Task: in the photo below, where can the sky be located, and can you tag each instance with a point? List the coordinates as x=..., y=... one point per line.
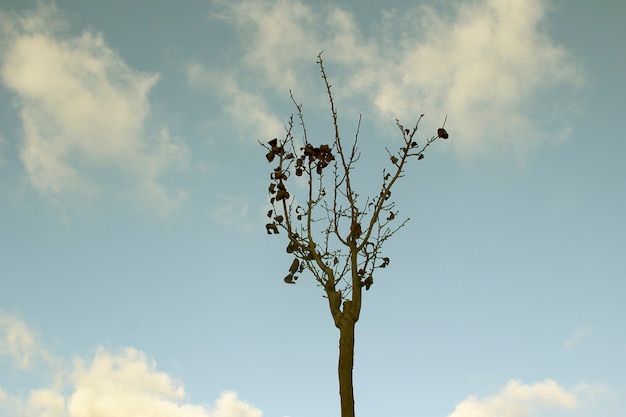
x=136, y=275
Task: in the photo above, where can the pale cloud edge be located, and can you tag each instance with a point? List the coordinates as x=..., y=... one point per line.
x=232, y=212
x=83, y=112
x=483, y=63
x=579, y=334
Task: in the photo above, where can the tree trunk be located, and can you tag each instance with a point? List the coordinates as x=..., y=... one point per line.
x=346, y=364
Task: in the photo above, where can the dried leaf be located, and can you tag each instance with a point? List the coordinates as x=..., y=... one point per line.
x=420, y=156
x=294, y=266
x=368, y=282
x=271, y=227
x=385, y=262
x=282, y=195
x=394, y=160
x=279, y=219
x=278, y=174
x=441, y=132
x=289, y=279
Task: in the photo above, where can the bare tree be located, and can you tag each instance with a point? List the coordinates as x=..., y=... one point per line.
x=332, y=232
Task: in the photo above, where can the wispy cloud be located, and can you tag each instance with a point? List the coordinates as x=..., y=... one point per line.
x=578, y=336
x=83, y=113
x=275, y=51
x=487, y=64
x=233, y=213
x=122, y=384
x=20, y=343
x=248, y=113
x=522, y=400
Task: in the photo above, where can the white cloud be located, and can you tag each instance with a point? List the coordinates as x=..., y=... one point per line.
x=123, y=385
x=483, y=66
x=578, y=336
x=485, y=63
x=521, y=400
x=83, y=113
x=126, y=384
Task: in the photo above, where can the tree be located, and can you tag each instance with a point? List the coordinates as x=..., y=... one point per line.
x=335, y=235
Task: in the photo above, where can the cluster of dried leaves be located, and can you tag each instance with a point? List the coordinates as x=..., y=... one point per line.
x=334, y=235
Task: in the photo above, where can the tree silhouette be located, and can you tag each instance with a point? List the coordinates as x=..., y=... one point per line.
x=334, y=234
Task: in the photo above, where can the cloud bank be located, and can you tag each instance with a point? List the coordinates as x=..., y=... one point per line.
x=122, y=384
x=127, y=383
x=488, y=64
x=83, y=112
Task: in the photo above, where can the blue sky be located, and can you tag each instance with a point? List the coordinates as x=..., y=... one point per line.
x=135, y=272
